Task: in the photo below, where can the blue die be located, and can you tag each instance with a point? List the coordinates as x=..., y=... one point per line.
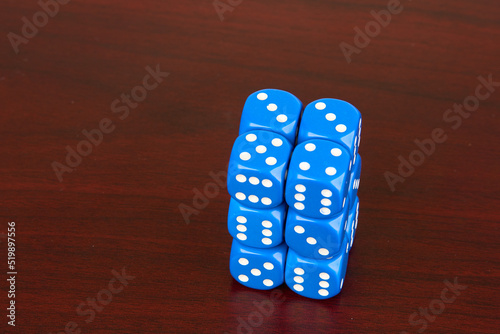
x=257, y=168
x=317, y=279
x=260, y=228
x=354, y=180
x=273, y=110
x=318, y=178
x=334, y=120
x=315, y=238
x=258, y=268
x=352, y=223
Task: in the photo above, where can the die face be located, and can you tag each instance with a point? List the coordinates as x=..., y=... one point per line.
x=352, y=223
x=318, y=178
x=273, y=110
x=334, y=120
x=354, y=179
x=317, y=279
x=258, y=268
x=257, y=167
x=259, y=228
x=317, y=239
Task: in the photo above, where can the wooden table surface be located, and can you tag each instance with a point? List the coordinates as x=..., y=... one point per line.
x=101, y=245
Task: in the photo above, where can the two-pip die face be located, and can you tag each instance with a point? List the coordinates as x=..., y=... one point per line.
x=332, y=119
x=257, y=168
x=272, y=110
x=318, y=178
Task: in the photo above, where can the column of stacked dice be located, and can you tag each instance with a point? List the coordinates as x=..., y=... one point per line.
x=256, y=181
x=321, y=191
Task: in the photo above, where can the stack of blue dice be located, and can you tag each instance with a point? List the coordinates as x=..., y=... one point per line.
x=294, y=187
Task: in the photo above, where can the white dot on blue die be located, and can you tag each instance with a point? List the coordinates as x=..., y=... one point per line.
x=261, y=149
x=341, y=128
x=269, y=266
x=330, y=117
x=282, y=118
x=277, y=142
x=299, y=229
x=268, y=282
x=251, y=137
x=300, y=197
x=272, y=107
x=253, y=180
x=320, y=105
x=300, y=188
x=326, y=193
x=304, y=165
x=310, y=147
x=299, y=206
x=262, y=96
x=245, y=156
x=271, y=161
x=267, y=183
x=336, y=152
x=330, y=171
x=299, y=271
x=266, y=201
x=267, y=224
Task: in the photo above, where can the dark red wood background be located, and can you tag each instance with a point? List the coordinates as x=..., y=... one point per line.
x=120, y=206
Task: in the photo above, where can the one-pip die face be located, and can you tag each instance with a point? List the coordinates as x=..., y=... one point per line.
x=257, y=168
x=318, y=178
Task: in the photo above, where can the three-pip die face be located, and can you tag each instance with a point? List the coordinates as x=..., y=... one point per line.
x=257, y=168
x=272, y=110
x=258, y=268
x=314, y=238
x=318, y=178
x=334, y=120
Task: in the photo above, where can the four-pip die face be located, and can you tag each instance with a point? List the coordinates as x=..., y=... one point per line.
x=334, y=120
x=257, y=167
x=273, y=110
x=318, y=178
